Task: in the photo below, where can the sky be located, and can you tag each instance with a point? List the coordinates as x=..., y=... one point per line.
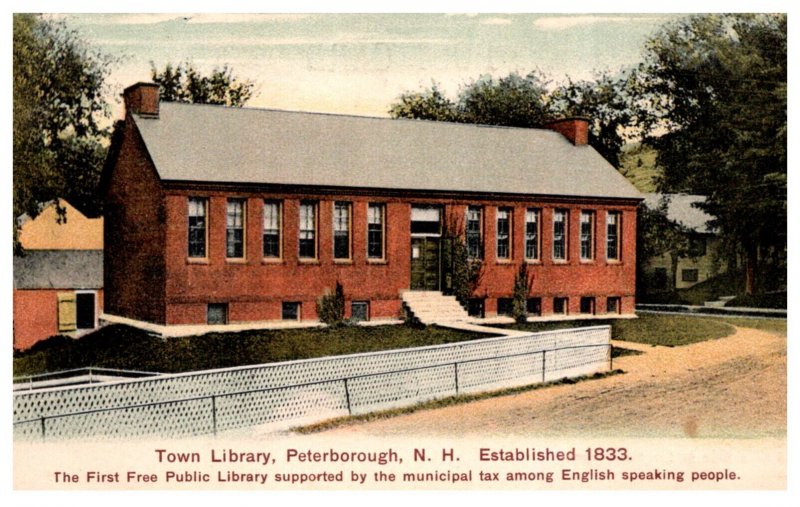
x=360, y=63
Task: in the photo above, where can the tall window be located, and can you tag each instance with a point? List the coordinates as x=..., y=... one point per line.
x=341, y=230
x=272, y=229
x=560, y=235
x=308, y=230
x=234, y=245
x=474, y=232
x=375, y=230
x=587, y=235
x=612, y=235
x=532, y=234
x=503, y=233
x=197, y=227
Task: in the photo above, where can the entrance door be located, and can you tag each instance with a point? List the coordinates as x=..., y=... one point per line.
x=84, y=302
x=425, y=263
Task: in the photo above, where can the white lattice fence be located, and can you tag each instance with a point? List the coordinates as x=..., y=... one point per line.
x=315, y=389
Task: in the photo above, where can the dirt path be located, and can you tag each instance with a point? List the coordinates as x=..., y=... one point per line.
x=731, y=387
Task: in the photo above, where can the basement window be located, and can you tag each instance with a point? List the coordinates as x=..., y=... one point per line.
x=504, y=306
x=587, y=305
x=534, y=306
x=217, y=313
x=613, y=305
x=560, y=306
x=359, y=311
x=476, y=307
x=689, y=275
x=290, y=310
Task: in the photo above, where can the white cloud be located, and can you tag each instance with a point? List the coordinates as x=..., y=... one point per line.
x=553, y=23
x=244, y=18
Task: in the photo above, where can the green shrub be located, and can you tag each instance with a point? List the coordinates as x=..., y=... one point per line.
x=330, y=307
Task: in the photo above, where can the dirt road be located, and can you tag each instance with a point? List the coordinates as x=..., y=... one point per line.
x=731, y=387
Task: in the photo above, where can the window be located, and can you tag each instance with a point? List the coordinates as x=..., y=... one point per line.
x=505, y=306
x=689, y=275
x=272, y=229
x=359, y=311
x=613, y=305
x=503, y=233
x=341, y=230
x=375, y=230
x=308, y=230
x=197, y=227
x=560, y=306
x=476, y=307
x=426, y=220
x=587, y=305
x=534, y=306
x=560, y=235
x=290, y=311
x=612, y=235
x=532, y=234
x=234, y=244
x=217, y=313
x=474, y=232
x=587, y=235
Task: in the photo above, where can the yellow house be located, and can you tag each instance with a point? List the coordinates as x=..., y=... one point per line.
x=70, y=231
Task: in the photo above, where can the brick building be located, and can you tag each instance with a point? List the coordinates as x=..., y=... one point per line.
x=224, y=215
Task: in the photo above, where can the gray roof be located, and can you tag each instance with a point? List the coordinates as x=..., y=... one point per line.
x=190, y=142
x=681, y=209
x=59, y=269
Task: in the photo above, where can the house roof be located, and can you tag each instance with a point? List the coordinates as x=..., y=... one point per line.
x=190, y=142
x=59, y=269
x=682, y=209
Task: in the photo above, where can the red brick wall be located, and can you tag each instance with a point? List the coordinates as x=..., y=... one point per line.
x=254, y=288
x=36, y=315
x=134, y=234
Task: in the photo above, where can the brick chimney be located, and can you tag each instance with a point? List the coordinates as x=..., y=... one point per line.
x=575, y=129
x=142, y=99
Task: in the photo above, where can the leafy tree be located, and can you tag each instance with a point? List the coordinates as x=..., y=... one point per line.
x=607, y=103
x=184, y=83
x=513, y=100
x=429, y=104
x=59, y=139
x=715, y=86
x=519, y=304
x=657, y=235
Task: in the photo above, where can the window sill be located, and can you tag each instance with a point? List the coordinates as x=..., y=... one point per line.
x=533, y=261
x=560, y=262
x=308, y=262
x=377, y=261
x=272, y=260
x=343, y=261
x=198, y=260
x=236, y=261
x=503, y=261
x=588, y=261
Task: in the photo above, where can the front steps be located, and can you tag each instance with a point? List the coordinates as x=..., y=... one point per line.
x=433, y=307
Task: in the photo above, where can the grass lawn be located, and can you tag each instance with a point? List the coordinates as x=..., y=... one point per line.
x=666, y=330
x=124, y=347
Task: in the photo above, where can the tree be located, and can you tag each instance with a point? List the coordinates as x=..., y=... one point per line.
x=59, y=140
x=184, y=83
x=715, y=87
x=513, y=100
x=429, y=104
x=607, y=103
x=524, y=101
x=519, y=304
x=657, y=235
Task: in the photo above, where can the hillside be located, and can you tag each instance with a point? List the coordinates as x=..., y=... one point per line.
x=638, y=164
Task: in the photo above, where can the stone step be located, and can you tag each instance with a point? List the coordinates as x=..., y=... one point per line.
x=430, y=307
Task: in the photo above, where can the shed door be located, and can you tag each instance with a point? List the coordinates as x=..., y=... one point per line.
x=425, y=265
